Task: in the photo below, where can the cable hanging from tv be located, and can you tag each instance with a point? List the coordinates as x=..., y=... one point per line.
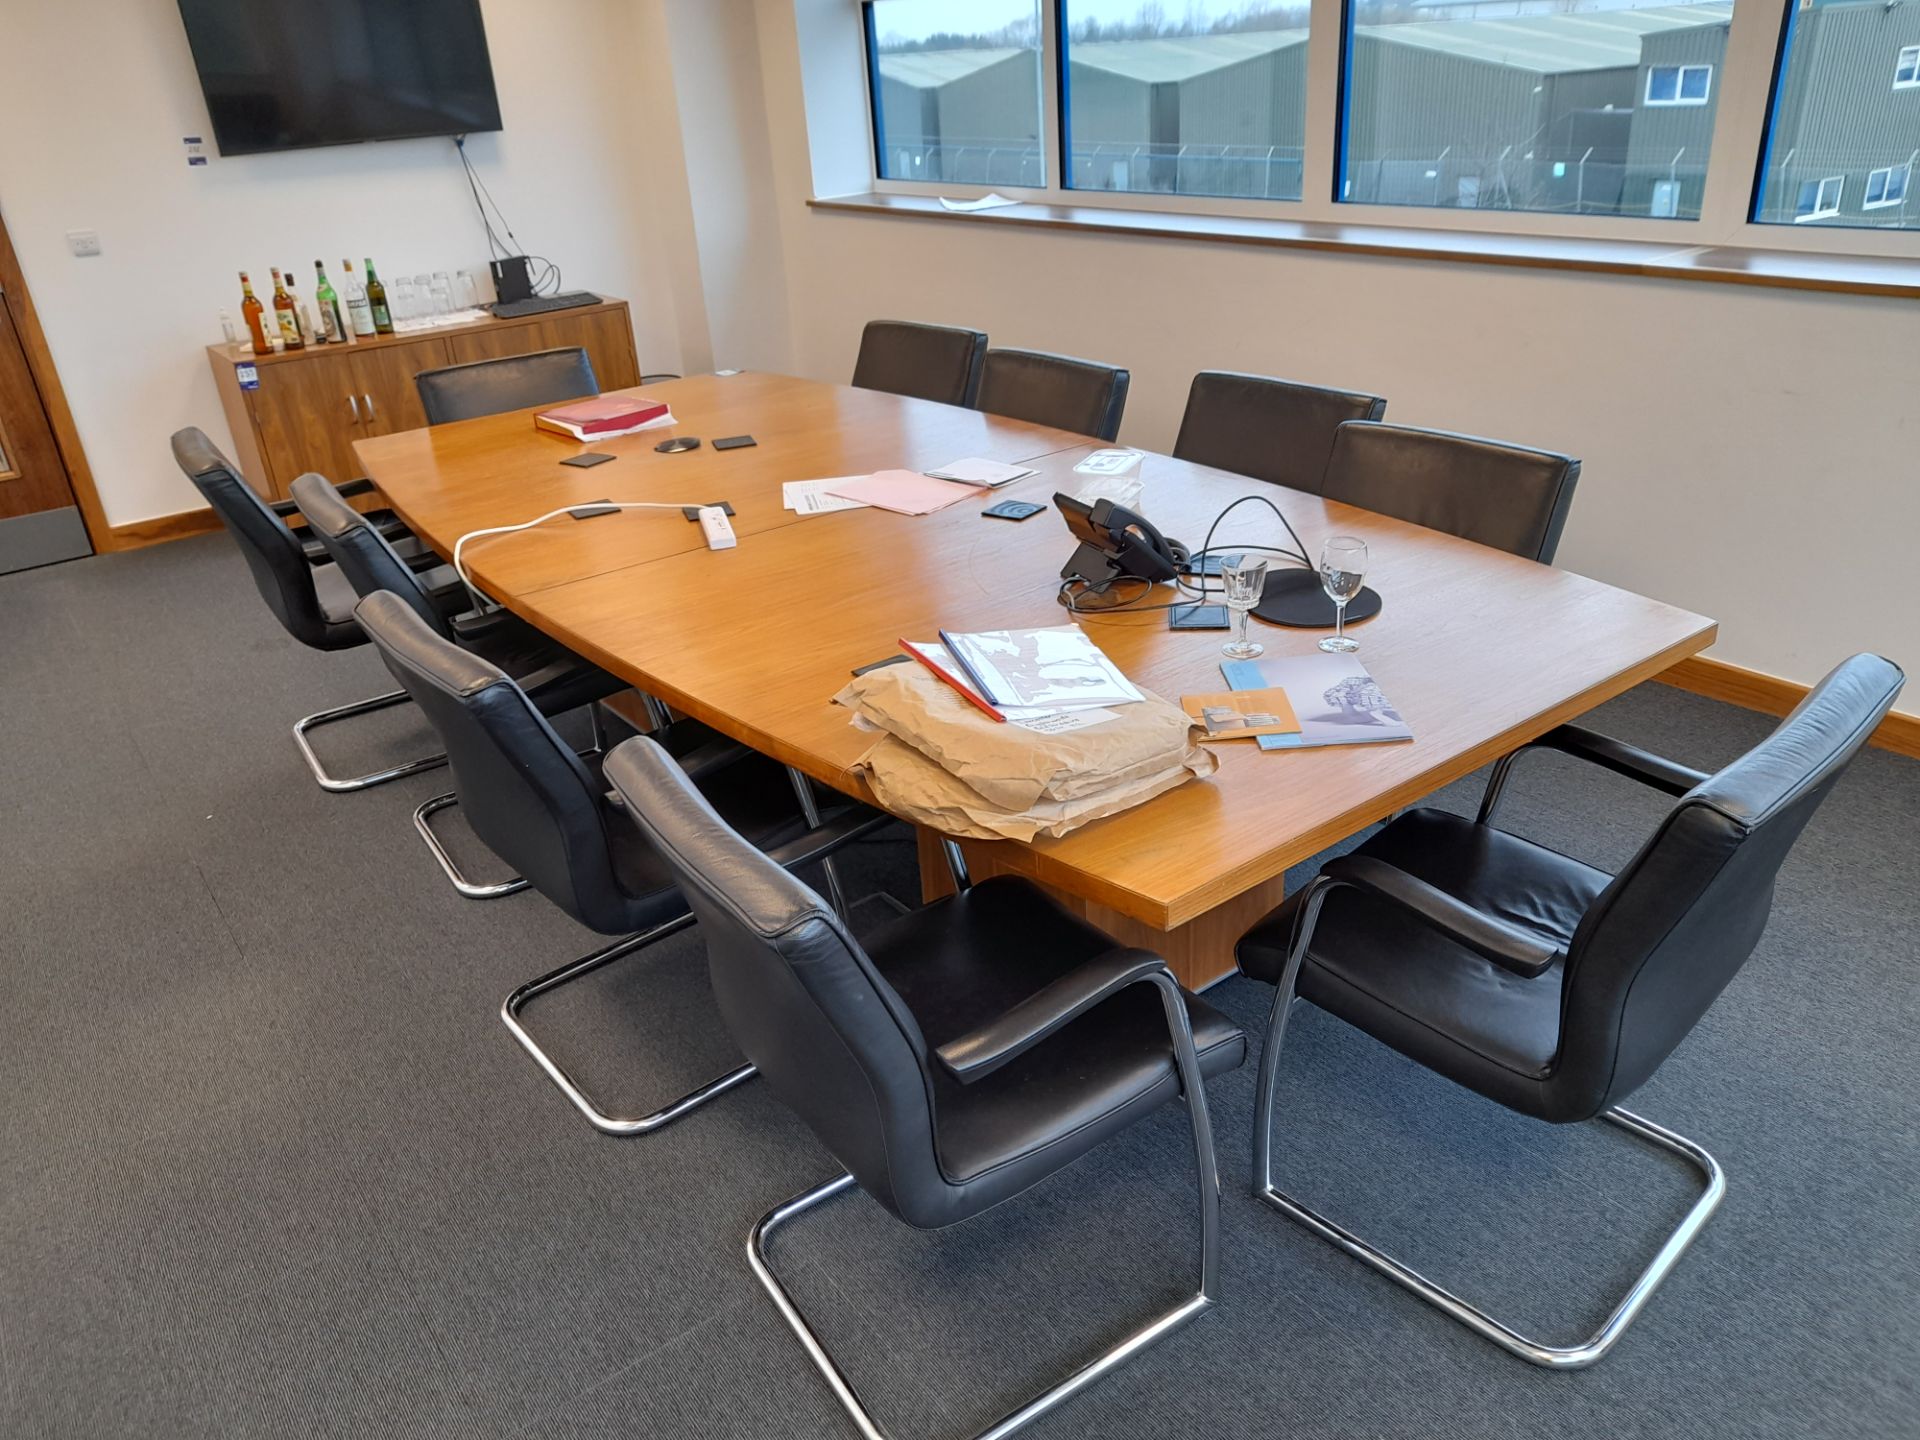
x=547, y=281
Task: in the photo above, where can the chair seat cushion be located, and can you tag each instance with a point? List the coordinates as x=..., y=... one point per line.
x=1378, y=968
x=964, y=961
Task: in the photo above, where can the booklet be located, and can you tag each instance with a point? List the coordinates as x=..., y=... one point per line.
x=1057, y=667
x=1242, y=714
x=979, y=472
x=1334, y=699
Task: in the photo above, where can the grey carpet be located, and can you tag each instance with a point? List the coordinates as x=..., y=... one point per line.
x=273, y=1167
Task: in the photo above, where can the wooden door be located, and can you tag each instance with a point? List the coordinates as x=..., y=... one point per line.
x=308, y=415
x=39, y=519
x=383, y=379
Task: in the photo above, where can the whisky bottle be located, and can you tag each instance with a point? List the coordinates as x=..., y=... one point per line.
x=303, y=314
x=286, y=315
x=251, y=311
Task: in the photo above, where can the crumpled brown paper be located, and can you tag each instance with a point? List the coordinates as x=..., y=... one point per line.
x=944, y=764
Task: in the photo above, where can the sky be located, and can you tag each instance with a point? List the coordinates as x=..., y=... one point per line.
x=917, y=19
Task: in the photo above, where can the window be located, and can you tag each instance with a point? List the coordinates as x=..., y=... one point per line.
x=1886, y=187
x=1679, y=84
x=1818, y=199
x=1535, y=105
x=956, y=91
x=1833, y=115
x=1213, y=102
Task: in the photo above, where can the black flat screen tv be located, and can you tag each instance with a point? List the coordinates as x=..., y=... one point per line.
x=292, y=74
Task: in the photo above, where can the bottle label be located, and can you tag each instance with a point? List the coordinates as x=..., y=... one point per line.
x=330, y=318
x=289, y=327
x=380, y=316
x=361, y=314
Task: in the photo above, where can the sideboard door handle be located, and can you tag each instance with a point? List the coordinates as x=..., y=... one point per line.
x=369, y=399
x=354, y=406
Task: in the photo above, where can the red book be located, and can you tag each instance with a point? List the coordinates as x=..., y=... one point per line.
x=967, y=692
x=598, y=417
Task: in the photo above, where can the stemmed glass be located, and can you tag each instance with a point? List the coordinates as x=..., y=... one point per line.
x=1343, y=569
x=1244, y=582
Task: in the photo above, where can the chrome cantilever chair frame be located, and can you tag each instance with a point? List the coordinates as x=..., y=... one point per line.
x=1553, y=1357
x=1188, y=1063
x=339, y=785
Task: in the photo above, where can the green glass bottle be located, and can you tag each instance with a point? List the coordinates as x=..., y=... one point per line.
x=332, y=321
x=377, y=302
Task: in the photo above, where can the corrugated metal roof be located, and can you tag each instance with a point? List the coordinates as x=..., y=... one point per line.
x=1181, y=57
x=1552, y=44
x=929, y=69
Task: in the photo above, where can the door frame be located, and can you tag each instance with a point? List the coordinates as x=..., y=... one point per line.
x=53, y=399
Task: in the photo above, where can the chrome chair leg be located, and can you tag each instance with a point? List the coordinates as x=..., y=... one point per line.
x=342, y=784
x=810, y=808
x=598, y=1118
x=956, y=863
x=1105, y=1362
x=472, y=889
x=1535, y=1352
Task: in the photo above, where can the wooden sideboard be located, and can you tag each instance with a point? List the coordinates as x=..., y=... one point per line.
x=312, y=404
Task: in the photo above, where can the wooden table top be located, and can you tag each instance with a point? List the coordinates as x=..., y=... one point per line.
x=1480, y=651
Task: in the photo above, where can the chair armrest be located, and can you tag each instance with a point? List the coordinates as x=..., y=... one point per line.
x=981, y=1052
x=1667, y=776
x=476, y=623
x=1488, y=936
x=286, y=510
x=711, y=758
x=350, y=488
x=840, y=828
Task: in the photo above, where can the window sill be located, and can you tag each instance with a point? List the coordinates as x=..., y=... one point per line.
x=1782, y=269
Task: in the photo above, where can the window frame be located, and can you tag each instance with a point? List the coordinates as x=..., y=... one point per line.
x=1820, y=189
x=1886, y=201
x=1680, y=98
x=1757, y=51
x=1907, y=59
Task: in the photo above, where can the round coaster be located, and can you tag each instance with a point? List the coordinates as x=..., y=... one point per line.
x=1294, y=597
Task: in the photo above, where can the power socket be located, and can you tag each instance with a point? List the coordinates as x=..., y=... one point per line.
x=83, y=242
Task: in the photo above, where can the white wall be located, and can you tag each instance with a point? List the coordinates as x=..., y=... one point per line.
x=1749, y=453
x=97, y=97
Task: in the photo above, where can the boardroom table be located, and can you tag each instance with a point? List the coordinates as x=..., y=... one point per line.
x=1479, y=651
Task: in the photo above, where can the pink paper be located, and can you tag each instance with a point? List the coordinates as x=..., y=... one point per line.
x=905, y=492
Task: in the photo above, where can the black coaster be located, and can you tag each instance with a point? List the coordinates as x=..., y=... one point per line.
x=1294, y=597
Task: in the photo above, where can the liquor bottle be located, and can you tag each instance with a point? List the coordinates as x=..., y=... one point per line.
x=377, y=301
x=303, y=314
x=359, y=313
x=332, y=321
x=251, y=310
x=286, y=315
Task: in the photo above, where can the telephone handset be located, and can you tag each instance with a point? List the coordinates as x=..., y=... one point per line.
x=1116, y=541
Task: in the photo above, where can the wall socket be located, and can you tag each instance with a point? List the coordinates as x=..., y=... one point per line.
x=83, y=242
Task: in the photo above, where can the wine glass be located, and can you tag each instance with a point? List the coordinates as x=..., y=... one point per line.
x=1245, y=582
x=1343, y=569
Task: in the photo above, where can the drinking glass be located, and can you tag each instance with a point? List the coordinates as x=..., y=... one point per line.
x=1343, y=570
x=400, y=302
x=442, y=293
x=1244, y=582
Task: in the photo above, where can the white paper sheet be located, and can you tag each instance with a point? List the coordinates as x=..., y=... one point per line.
x=979, y=472
x=1059, y=722
x=985, y=202
x=810, y=497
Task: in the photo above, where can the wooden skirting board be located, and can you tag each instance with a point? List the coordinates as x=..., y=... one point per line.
x=1771, y=695
x=162, y=527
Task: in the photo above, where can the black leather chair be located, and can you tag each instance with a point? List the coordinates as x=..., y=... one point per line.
x=927, y=362
x=966, y=1052
x=308, y=595
x=1272, y=430
x=516, y=382
x=554, y=678
x=537, y=806
x=1083, y=396
x=1545, y=984
x=1506, y=496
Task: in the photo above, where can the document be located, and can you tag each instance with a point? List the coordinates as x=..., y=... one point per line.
x=980, y=472
x=1060, y=722
x=810, y=497
x=1334, y=699
x=1055, y=668
x=1242, y=714
x=905, y=492
x=985, y=202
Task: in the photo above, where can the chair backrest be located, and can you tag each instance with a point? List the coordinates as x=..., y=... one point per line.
x=280, y=570
x=1661, y=942
x=1083, y=396
x=363, y=554
x=1273, y=430
x=516, y=382
x=1506, y=496
x=802, y=999
x=928, y=362
x=521, y=787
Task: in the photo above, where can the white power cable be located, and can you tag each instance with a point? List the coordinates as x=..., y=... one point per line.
x=590, y=508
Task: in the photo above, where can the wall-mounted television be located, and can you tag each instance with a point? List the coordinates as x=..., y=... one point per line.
x=291, y=74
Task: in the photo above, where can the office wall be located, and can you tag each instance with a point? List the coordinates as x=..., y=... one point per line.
x=1749, y=452
x=99, y=93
